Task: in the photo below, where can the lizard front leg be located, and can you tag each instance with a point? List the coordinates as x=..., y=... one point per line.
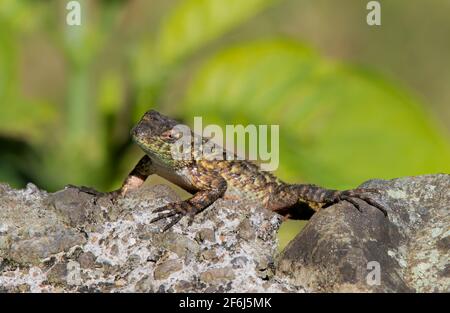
x=137, y=176
x=192, y=206
x=134, y=180
x=284, y=197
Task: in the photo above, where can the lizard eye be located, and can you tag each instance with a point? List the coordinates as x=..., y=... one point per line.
x=171, y=135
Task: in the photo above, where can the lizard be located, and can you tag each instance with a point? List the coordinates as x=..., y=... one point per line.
x=211, y=179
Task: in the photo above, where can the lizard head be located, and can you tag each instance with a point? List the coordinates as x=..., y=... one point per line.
x=157, y=135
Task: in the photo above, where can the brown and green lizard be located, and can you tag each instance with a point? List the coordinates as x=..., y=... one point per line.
x=209, y=180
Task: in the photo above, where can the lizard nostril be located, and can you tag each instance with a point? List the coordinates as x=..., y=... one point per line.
x=135, y=131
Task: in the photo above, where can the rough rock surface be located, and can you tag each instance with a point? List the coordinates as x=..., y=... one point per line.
x=76, y=241
x=342, y=249
x=73, y=241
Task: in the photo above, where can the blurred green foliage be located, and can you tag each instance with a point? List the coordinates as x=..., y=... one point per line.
x=339, y=124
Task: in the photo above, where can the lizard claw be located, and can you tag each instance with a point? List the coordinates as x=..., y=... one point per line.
x=163, y=208
x=111, y=196
x=162, y=216
x=176, y=209
x=171, y=223
x=361, y=194
x=85, y=189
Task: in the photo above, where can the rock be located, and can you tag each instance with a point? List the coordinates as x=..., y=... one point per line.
x=78, y=240
x=246, y=230
x=184, y=286
x=165, y=269
x=145, y=284
x=58, y=274
x=86, y=259
x=209, y=254
x=217, y=274
x=179, y=244
x=206, y=234
x=73, y=205
x=30, y=231
x=342, y=249
x=23, y=288
x=33, y=250
x=265, y=268
x=114, y=250
x=239, y=262
x=74, y=273
x=134, y=260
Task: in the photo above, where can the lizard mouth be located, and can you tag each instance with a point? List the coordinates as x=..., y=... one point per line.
x=138, y=135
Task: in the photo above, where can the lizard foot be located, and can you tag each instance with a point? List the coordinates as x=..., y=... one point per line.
x=361, y=194
x=85, y=189
x=176, y=211
x=111, y=196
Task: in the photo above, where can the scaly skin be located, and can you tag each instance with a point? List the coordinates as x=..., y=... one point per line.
x=209, y=180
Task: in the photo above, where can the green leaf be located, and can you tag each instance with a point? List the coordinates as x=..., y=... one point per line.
x=188, y=26
x=339, y=125
x=192, y=23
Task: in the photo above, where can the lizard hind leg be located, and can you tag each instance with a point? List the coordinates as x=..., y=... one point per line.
x=283, y=199
x=299, y=201
x=318, y=197
x=361, y=194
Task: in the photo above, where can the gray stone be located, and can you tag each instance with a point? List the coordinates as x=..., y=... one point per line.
x=86, y=259
x=58, y=274
x=209, y=254
x=165, y=269
x=73, y=205
x=239, y=262
x=35, y=249
x=217, y=274
x=206, y=234
x=145, y=284
x=341, y=249
x=246, y=230
x=78, y=240
x=179, y=244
